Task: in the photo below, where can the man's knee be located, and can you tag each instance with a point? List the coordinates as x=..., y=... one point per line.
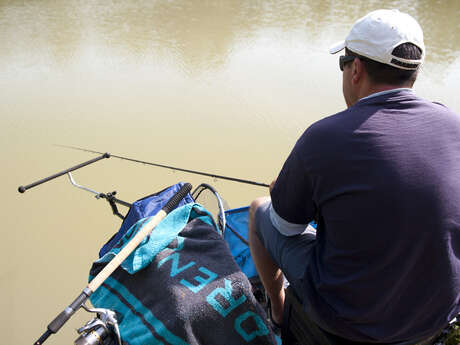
x=253, y=236
x=253, y=209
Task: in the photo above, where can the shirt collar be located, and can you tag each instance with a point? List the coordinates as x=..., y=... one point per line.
x=386, y=92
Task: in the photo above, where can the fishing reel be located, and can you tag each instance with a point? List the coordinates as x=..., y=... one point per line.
x=101, y=330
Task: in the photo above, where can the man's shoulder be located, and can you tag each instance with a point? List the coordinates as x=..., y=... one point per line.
x=321, y=136
x=327, y=126
x=436, y=110
x=437, y=106
x=414, y=101
x=330, y=121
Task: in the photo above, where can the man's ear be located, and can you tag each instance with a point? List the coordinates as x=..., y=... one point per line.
x=357, y=71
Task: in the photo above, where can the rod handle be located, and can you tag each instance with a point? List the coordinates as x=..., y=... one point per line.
x=176, y=198
x=43, y=338
x=64, y=316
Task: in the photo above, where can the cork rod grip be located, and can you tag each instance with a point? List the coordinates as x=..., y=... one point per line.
x=127, y=249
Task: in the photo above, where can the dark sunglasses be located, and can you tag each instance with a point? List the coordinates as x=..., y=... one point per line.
x=344, y=59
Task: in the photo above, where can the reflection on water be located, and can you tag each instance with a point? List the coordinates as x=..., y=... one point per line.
x=219, y=86
x=200, y=34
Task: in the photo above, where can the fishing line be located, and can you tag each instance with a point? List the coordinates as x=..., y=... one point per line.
x=234, y=179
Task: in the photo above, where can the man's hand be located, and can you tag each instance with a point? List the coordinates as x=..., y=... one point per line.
x=272, y=185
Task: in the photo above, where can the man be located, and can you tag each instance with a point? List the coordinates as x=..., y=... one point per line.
x=382, y=179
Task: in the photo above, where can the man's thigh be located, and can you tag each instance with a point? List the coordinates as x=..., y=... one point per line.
x=291, y=253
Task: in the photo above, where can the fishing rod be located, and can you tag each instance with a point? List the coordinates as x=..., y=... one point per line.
x=234, y=179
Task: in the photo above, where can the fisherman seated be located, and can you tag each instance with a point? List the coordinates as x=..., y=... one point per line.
x=380, y=178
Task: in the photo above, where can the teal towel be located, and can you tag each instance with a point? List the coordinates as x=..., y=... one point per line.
x=182, y=286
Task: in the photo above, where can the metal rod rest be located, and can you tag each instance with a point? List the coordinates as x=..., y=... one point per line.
x=82, y=187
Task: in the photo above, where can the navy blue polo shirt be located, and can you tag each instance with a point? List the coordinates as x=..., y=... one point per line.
x=383, y=179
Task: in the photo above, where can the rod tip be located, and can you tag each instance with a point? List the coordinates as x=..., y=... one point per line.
x=21, y=189
x=106, y=155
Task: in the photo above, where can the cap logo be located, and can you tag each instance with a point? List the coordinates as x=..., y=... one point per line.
x=405, y=63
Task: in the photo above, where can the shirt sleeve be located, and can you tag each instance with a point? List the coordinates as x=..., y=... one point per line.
x=283, y=226
x=292, y=195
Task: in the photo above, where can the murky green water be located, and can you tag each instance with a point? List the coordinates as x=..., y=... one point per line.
x=218, y=86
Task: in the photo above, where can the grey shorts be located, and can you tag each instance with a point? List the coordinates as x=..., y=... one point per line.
x=292, y=254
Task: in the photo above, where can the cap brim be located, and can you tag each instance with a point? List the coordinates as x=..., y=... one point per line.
x=337, y=47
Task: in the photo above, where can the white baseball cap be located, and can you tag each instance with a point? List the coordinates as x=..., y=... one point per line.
x=376, y=35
